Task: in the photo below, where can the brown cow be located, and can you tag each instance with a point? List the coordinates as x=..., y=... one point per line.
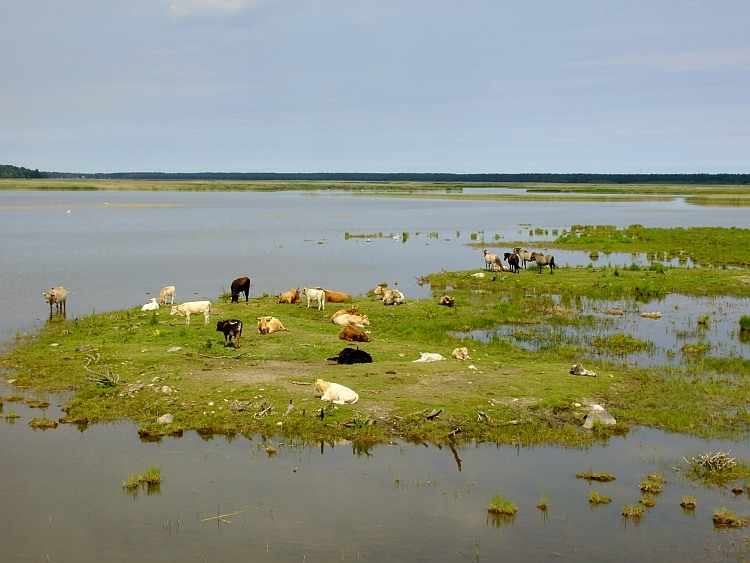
x=231, y=328
x=240, y=285
x=353, y=334
x=335, y=296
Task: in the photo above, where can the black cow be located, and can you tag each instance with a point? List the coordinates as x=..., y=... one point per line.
x=352, y=356
x=231, y=328
x=240, y=285
x=513, y=261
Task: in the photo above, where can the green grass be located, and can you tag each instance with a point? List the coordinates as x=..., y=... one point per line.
x=500, y=505
x=595, y=498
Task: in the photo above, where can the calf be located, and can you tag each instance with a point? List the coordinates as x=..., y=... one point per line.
x=240, y=285
x=231, y=328
x=56, y=296
x=267, y=325
x=152, y=305
x=192, y=308
x=353, y=334
x=315, y=296
x=447, y=301
x=352, y=356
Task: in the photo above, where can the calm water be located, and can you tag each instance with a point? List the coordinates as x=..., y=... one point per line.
x=61, y=489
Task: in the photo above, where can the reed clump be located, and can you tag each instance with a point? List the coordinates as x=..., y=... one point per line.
x=501, y=506
x=596, y=498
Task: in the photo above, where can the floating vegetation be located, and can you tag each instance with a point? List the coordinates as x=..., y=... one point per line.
x=543, y=502
x=653, y=484
x=648, y=501
x=596, y=498
x=622, y=343
x=150, y=478
x=688, y=502
x=36, y=403
x=596, y=476
x=725, y=518
x=503, y=506
x=42, y=423
x=634, y=511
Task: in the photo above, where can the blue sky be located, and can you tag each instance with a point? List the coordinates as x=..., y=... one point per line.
x=465, y=86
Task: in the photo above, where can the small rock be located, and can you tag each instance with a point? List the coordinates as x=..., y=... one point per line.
x=599, y=413
x=165, y=419
x=174, y=349
x=166, y=389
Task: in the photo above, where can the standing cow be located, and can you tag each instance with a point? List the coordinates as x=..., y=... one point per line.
x=231, y=328
x=240, y=285
x=56, y=296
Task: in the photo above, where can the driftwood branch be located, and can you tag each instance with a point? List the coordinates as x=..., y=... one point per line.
x=106, y=379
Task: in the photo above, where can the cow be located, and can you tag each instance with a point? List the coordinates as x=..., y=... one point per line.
x=315, y=296
x=240, y=285
x=268, y=325
x=335, y=296
x=152, y=305
x=232, y=328
x=192, y=308
x=335, y=393
x=446, y=300
x=353, y=334
x=380, y=290
x=461, y=353
x=56, y=296
x=165, y=292
x=578, y=369
x=291, y=296
x=392, y=296
x=351, y=356
x=349, y=319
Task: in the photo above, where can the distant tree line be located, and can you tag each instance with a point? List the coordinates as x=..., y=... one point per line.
x=550, y=178
x=8, y=171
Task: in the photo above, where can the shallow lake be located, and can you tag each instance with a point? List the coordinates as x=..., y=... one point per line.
x=227, y=499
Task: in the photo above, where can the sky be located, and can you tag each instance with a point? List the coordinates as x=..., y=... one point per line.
x=462, y=86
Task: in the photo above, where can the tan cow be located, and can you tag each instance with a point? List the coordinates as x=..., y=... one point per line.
x=167, y=291
x=267, y=325
x=192, y=308
x=291, y=296
x=56, y=296
x=392, y=296
x=349, y=319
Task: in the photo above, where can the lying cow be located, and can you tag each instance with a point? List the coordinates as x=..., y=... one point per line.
x=392, y=296
x=335, y=393
x=56, y=296
x=446, y=300
x=352, y=356
x=335, y=296
x=152, y=305
x=315, y=296
x=231, y=328
x=578, y=369
x=267, y=325
x=349, y=319
x=290, y=297
x=380, y=290
x=165, y=292
x=461, y=353
x=192, y=308
x=353, y=334
x=240, y=285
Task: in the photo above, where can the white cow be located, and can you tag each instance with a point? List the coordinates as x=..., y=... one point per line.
x=335, y=392
x=152, y=305
x=192, y=308
x=315, y=295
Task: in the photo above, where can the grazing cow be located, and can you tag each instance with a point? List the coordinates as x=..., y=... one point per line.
x=56, y=296
x=352, y=356
x=446, y=300
x=268, y=325
x=349, y=319
x=290, y=297
x=165, y=292
x=192, y=308
x=152, y=305
x=335, y=296
x=542, y=260
x=392, y=296
x=335, y=393
x=231, y=328
x=353, y=334
x=240, y=285
x=315, y=296
x=578, y=369
x=513, y=262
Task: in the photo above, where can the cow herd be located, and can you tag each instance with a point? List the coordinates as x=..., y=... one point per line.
x=516, y=260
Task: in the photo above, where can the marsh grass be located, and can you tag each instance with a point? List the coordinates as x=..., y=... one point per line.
x=42, y=423
x=501, y=506
x=596, y=498
x=150, y=479
x=688, y=502
x=596, y=476
x=634, y=511
x=543, y=501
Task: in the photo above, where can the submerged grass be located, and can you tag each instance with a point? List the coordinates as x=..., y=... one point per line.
x=155, y=365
